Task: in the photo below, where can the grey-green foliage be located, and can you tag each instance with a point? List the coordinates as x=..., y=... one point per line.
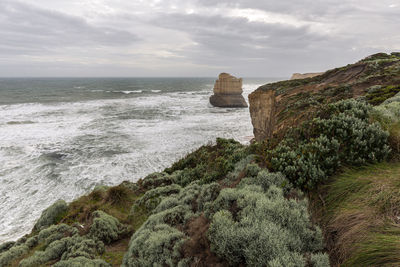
x=252, y=169
x=319, y=260
x=153, y=197
x=82, y=262
x=67, y=246
x=51, y=215
x=340, y=134
x=16, y=250
x=55, y=232
x=254, y=224
x=157, y=242
x=155, y=180
x=12, y=250
x=6, y=246
x=106, y=228
x=78, y=246
x=155, y=246
x=239, y=167
x=389, y=111
x=53, y=251
x=265, y=179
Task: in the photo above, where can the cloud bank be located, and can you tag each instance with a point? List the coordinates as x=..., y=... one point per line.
x=191, y=38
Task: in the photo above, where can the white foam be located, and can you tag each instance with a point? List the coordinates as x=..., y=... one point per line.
x=128, y=92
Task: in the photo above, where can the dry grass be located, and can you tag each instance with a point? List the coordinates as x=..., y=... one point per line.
x=358, y=211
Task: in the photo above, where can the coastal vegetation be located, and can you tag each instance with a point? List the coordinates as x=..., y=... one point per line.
x=323, y=193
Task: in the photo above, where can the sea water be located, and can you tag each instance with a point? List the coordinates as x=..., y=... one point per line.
x=60, y=137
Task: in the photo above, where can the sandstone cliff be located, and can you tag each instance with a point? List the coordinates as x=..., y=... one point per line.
x=228, y=92
x=276, y=107
x=304, y=75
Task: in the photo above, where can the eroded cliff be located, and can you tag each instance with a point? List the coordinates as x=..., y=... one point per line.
x=276, y=107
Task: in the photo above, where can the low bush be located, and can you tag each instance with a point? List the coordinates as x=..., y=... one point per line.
x=82, y=261
x=258, y=227
x=388, y=115
x=53, y=251
x=158, y=241
x=377, y=95
x=55, y=232
x=153, y=197
x=208, y=163
x=106, y=228
x=51, y=215
x=266, y=179
x=340, y=134
x=155, y=247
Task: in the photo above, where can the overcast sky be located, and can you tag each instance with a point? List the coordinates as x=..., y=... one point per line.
x=259, y=38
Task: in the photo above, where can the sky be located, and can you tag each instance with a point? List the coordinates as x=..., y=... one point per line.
x=191, y=38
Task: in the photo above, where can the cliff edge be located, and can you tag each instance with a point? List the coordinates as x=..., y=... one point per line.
x=278, y=106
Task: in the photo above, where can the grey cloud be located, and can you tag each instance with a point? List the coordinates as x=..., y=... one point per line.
x=229, y=41
x=26, y=29
x=330, y=33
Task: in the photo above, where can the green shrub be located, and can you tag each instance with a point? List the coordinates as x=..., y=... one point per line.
x=208, y=163
x=158, y=240
x=158, y=246
x=6, y=246
x=377, y=95
x=82, y=261
x=153, y=197
x=55, y=232
x=260, y=227
x=51, y=215
x=12, y=253
x=53, y=252
x=252, y=170
x=106, y=228
x=239, y=167
x=340, y=134
x=79, y=246
x=266, y=179
x=155, y=180
x=319, y=260
x=388, y=116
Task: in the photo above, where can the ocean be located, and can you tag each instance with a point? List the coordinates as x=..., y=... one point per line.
x=60, y=137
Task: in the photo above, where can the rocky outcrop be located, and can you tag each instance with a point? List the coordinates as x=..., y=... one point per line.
x=276, y=107
x=228, y=92
x=304, y=75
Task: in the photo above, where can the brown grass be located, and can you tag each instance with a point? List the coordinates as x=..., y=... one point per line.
x=354, y=209
x=198, y=246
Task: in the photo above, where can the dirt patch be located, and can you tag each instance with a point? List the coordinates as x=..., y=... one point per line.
x=198, y=246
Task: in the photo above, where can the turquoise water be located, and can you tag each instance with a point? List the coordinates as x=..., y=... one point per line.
x=61, y=137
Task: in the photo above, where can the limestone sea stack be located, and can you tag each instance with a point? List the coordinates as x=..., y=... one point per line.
x=228, y=92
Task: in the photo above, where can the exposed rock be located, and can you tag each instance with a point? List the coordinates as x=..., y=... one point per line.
x=228, y=92
x=304, y=75
x=276, y=107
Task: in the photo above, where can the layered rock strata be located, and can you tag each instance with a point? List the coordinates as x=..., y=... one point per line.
x=228, y=92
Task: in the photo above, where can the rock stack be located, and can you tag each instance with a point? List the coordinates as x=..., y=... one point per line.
x=228, y=92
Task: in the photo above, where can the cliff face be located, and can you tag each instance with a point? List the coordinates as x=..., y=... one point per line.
x=228, y=92
x=276, y=107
